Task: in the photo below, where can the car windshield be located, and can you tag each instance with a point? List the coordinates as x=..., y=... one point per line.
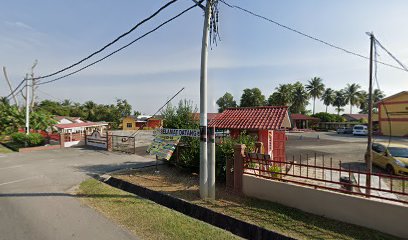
x=359, y=128
x=398, y=152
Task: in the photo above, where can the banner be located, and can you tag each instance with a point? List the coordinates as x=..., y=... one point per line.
x=179, y=132
x=163, y=146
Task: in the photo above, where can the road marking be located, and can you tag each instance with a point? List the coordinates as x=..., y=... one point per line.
x=17, y=181
x=17, y=166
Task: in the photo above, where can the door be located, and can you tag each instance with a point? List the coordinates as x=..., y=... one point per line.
x=379, y=157
x=279, y=139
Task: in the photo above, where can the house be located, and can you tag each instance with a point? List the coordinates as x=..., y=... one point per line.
x=355, y=117
x=267, y=123
x=210, y=116
x=65, y=119
x=301, y=121
x=81, y=127
x=393, y=115
x=133, y=122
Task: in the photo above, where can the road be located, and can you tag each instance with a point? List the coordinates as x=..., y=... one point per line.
x=36, y=200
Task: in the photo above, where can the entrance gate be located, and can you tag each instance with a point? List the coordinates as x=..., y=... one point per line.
x=123, y=144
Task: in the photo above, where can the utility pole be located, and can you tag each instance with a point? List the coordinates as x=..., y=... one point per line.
x=33, y=84
x=369, y=155
x=203, y=104
x=27, y=98
x=211, y=163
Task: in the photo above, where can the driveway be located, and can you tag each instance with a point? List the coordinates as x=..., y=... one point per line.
x=36, y=200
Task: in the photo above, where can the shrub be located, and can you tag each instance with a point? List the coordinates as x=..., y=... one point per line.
x=35, y=139
x=19, y=138
x=30, y=140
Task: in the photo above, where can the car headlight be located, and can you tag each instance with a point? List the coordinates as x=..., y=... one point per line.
x=399, y=163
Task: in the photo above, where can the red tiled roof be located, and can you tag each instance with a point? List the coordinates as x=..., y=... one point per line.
x=268, y=117
x=210, y=116
x=297, y=116
x=83, y=124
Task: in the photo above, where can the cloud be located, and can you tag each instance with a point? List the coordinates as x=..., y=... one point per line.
x=18, y=24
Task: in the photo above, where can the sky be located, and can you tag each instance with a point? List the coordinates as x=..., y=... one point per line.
x=251, y=52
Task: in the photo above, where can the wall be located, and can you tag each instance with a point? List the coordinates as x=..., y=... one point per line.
x=127, y=120
x=385, y=217
x=39, y=148
x=397, y=108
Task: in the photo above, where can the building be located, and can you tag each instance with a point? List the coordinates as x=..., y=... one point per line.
x=393, y=115
x=210, y=116
x=81, y=128
x=267, y=123
x=302, y=122
x=133, y=122
x=355, y=117
x=65, y=119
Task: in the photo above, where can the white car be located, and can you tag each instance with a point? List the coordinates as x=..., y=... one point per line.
x=360, y=130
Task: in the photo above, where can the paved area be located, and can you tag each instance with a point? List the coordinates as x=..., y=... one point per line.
x=35, y=198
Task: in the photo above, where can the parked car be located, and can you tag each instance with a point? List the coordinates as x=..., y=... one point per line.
x=344, y=130
x=392, y=158
x=360, y=130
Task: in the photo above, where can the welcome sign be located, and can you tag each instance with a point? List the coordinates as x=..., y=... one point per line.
x=163, y=146
x=179, y=132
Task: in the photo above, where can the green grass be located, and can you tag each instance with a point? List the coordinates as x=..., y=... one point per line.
x=144, y=218
x=3, y=149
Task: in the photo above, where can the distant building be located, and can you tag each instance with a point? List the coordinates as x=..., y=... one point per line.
x=302, y=122
x=210, y=116
x=393, y=115
x=65, y=119
x=133, y=122
x=355, y=117
x=76, y=125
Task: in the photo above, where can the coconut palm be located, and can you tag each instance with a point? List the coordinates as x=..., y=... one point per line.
x=328, y=97
x=339, y=101
x=352, y=95
x=300, y=98
x=378, y=95
x=315, y=87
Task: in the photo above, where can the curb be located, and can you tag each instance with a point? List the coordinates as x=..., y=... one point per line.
x=233, y=225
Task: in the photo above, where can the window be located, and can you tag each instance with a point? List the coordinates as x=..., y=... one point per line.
x=378, y=148
x=129, y=125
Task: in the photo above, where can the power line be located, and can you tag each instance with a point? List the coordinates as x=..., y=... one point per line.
x=125, y=46
x=391, y=55
x=308, y=36
x=15, y=89
x=112, y=42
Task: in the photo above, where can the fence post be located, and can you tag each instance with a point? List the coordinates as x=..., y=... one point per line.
x=109, y=141
x=239, y=154
x=62, y=140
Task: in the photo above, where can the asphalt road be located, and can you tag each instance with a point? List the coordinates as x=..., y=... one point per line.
x=35, y=198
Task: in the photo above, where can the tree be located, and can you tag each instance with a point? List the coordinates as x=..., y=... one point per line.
x=328, y=97
x=282, y=97
x=363, y=100
x=252, y=98
x=315, y=87
x=90, y=108
x=339, y=101
x=300, y=98
x=352, y=95
x=226, y=101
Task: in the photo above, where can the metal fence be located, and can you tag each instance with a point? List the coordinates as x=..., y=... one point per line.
x=123, y=144
x=324, y=174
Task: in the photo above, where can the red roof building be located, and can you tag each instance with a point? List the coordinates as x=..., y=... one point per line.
x=300, y=121
x=266, y=123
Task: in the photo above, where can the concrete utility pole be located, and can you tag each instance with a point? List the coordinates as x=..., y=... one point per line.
x=369, y=156
x=203, y=104
x=27, y=98
x=9, y=84
x=33, y=84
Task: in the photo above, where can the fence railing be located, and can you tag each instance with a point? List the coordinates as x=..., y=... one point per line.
x=325, y=174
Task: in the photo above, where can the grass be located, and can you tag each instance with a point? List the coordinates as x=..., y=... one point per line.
x=3, y=149
x=144, y=218
x=276, y=217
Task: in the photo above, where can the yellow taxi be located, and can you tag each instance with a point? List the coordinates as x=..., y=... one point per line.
x=391, y=157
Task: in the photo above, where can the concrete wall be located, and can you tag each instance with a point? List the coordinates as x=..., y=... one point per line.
x=384, y=217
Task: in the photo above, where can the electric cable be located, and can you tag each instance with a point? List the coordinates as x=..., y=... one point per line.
x=307, y=35
x=110, y=43
x=121, y=48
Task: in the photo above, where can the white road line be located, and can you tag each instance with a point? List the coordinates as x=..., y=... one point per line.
x=20, y=180
x=17, y=166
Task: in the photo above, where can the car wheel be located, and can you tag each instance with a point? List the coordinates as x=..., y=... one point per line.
x=390, y=169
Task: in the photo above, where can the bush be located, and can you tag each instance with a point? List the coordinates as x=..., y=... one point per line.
x=30, y=140
x=19, y=138
x=328, y=117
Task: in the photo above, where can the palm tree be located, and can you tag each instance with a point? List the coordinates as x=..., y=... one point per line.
x=315, y=87
x=378, y=95
x=90, y=107
x=300, y=98
x=339, y=101
x=328, y=97
x=352, y=95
